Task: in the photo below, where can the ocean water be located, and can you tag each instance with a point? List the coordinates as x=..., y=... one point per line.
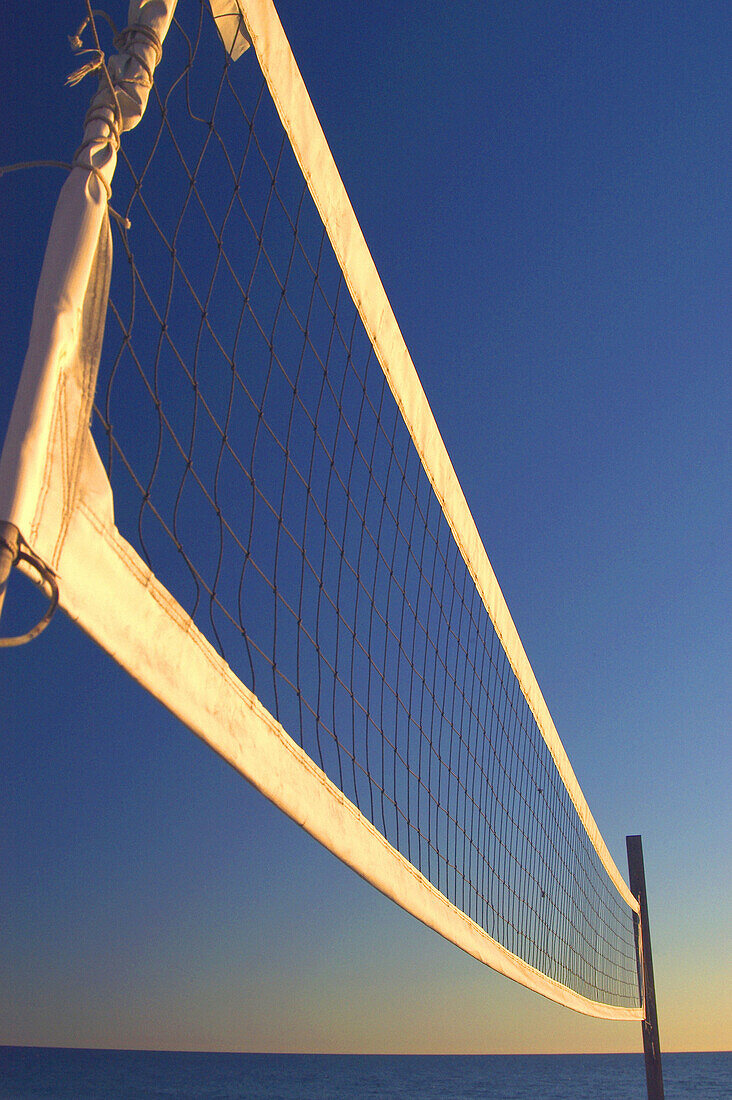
x=47, y=1073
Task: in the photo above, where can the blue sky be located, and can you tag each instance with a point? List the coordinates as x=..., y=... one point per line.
x=542, y=187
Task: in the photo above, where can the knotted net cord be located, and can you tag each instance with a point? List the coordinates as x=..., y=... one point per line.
x=261, y=467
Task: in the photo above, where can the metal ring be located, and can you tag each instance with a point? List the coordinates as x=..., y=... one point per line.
x=49, y=577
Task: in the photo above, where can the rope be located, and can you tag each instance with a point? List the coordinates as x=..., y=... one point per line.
x=124, y=42
x=5, y=168
x=124, y=223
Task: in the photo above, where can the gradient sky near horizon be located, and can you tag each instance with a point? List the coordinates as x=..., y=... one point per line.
x=542, y=187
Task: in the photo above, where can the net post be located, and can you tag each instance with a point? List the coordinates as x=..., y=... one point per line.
x=9, y=542
x=651, y=1043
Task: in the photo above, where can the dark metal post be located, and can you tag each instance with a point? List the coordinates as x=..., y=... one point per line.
x=651, y=1044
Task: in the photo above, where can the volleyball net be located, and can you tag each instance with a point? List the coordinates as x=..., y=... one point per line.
x=239, y=490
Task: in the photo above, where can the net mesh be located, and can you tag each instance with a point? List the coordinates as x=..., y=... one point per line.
x=261, y=466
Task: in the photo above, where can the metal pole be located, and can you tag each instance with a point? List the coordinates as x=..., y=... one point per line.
x=9, y=536
x=651, y=1044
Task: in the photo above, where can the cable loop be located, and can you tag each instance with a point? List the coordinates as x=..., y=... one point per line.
x=75, y=39
x=23, y=552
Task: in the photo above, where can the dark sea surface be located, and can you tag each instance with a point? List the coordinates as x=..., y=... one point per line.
x=47, y=1073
